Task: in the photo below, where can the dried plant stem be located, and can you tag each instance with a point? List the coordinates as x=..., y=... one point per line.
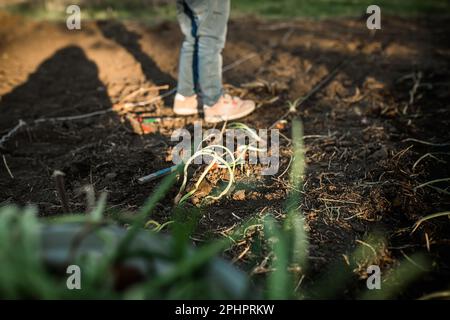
x=427, y=143
x=61, y=190
x=431, y=182
x=436, y=295
x=12, y=132
x=425, y=156
x=429, y=217
x=69, y=118
x=7, y=167
x=22, y=123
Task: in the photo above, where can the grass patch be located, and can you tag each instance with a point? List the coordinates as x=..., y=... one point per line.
x=315, y=9
x=332, y=8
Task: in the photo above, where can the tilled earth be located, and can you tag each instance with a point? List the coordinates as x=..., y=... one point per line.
x=373, y=134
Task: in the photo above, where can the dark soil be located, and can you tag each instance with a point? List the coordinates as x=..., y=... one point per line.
x=360, y=174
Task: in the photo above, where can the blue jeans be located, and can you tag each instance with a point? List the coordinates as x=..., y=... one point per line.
x=204, y=25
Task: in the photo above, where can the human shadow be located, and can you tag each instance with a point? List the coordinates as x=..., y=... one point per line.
x=65, y=83
x=93, y=150
x=129, y=40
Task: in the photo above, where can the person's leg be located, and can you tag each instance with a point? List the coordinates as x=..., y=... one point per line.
x=186, y=82
x=212, y=17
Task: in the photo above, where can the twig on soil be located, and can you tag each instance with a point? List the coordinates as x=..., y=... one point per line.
x=7, y=168
x=355, y=98
x=417, y=77
x=401, y=153
x=338, y=201
x=152, y=100
x=22, y=123
x=12, y=132
x=299, y=283
x=367, y=245
x=70, y=118
x=429, y=217
x=427, y=155
x=431, y=182
x=261, y=268
x=316, y=136
x=242, y=254
x=427, y=241
x=59, y=181
x=287, y=168
x=236, y=216
x=427, y=143
x=265, y=102
x=90, y=197
x=142, y=90
x=439, y=190
x=239, y=61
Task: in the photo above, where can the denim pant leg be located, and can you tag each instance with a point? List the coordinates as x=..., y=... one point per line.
x=187, y=63
x=207, y=28
x=212, y=31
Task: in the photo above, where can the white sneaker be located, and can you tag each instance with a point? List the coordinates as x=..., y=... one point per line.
x=228, y=108
x=185, y=106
